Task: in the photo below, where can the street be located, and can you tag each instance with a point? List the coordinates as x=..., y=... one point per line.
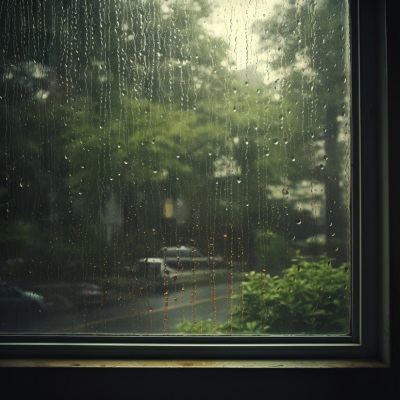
x=143, y=312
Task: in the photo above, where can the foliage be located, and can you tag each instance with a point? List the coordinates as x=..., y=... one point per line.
x=119, y=106
x=272, y=252
x=312, y=297
x=313, y=62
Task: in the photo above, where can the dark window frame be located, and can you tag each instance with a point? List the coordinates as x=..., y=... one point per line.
x=370, y=244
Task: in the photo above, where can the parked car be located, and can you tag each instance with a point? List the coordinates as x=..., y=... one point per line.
x=18, y=306
x=187, y=258
x=72, y=294
x=154, y=275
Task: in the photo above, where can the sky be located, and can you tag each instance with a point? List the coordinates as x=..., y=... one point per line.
x=232, y=20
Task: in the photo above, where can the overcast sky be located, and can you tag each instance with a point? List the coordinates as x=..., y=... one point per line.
x=232, y=20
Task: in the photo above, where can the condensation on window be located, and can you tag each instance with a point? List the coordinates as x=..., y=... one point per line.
x=175, y=167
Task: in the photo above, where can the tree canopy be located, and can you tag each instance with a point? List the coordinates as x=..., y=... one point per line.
x=114, y=110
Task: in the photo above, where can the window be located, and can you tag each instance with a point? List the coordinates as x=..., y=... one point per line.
x=197, y=177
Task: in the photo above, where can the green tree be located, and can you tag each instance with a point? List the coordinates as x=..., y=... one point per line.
x=313, y=57
x=108, y=100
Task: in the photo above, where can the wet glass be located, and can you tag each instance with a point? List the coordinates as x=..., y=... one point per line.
x=210, y=139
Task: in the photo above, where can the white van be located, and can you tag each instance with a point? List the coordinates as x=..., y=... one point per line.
x=153, y=272
x=156, y=274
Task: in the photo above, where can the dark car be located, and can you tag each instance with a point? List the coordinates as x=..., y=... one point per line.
x=70, y=295
x=18, y=306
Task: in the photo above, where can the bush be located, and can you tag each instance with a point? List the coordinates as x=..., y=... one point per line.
x=272, y=252
x=310, y=298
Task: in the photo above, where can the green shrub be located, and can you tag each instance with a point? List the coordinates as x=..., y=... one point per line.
x=312, y=297
x=272, y=252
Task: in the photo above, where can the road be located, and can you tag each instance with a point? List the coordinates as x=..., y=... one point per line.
x=146, y=312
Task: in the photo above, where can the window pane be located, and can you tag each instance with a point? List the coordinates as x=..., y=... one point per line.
x=175, y=167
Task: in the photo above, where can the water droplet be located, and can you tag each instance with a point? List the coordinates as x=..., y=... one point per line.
x=325, y=157
x=246, y=83
x=291, y=236
x=298, y=221
x=234, y=109
x=178, y=156
x=281, y=117
x=285, y=191
x=275, y=141
x=238, y=179
x=293, y=158
x=343, y=78
x=155, y=170
x=285, y=140
x=321, y=167
x=234, y=90
x=267, y=153
x=126, y=162
x=246, y=140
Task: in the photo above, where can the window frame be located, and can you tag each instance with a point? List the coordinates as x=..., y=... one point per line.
x=370, y=326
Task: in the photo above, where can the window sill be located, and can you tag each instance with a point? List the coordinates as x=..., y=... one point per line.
x=184, y=363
